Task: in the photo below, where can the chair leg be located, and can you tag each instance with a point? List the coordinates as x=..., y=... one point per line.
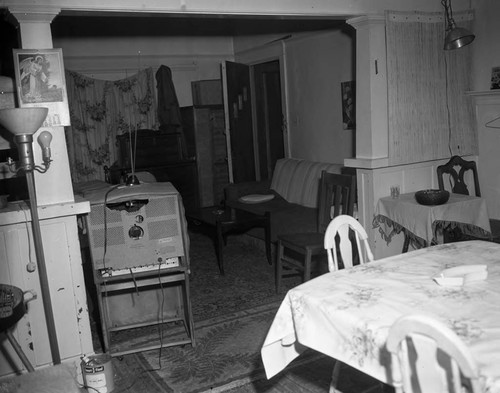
x=19, y=351
x=279, y=267
x=406, y=243
x=307, y=265
x=335, y=377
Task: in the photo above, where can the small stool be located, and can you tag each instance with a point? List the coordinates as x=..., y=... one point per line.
x=12, y=309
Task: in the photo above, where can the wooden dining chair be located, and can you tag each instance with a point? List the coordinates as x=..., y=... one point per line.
x=456, y=170
x=296, y=251
x=352, y=242
x=353, y=245
x=427, y=356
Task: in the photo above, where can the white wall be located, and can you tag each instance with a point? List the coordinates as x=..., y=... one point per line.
x=486, y=46
x=316, y=66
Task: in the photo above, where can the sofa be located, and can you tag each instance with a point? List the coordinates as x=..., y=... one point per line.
x=294, y=187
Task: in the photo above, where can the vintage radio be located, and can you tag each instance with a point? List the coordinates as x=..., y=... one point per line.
x=134, y=226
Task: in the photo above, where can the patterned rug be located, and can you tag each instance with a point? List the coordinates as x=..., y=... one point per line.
x=232, y=315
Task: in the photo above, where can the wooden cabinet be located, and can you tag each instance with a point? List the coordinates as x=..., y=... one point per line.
x=206, y=141
x=164, y=155
x=67, y=287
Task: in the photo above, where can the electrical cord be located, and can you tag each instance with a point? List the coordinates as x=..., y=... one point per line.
x=162, y=320
x=447, y=103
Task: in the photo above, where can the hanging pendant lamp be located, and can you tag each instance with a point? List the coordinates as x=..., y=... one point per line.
x=456, y=37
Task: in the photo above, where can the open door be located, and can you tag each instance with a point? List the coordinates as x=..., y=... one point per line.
x=239, y=128
x=269, y=116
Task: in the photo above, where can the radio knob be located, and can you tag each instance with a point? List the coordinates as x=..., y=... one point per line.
x=135, y=232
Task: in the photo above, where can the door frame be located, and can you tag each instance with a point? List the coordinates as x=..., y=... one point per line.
x=263, y=54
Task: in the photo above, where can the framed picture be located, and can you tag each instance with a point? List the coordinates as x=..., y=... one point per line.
x=40, y=82
x=348, y=105
x=495, y=78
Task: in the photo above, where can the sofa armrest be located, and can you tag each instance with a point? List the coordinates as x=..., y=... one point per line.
x=234, y=191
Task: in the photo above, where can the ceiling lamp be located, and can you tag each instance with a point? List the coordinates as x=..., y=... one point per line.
x=456, y=37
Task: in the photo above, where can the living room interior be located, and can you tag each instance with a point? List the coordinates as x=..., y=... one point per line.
x=315, y=48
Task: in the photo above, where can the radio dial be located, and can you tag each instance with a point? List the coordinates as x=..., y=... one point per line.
x=136, y=232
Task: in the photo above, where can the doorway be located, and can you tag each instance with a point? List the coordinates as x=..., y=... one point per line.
x=255, y=126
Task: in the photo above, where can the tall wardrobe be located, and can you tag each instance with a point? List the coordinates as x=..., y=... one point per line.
x=205, y=139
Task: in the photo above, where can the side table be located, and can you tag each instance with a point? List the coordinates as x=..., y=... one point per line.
x=223, y=220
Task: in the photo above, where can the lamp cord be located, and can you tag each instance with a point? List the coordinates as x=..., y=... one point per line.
x=450, y=22
x=448, y=114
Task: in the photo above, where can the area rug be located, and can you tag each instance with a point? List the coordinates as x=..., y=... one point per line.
x=232, y=314
x=226, y=355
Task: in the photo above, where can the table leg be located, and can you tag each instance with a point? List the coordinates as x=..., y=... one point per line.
x=267, y=230
x=406, y=244
x=219, y=244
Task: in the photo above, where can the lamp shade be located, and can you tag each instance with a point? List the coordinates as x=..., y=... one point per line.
x=22, y=121
x=458, y=37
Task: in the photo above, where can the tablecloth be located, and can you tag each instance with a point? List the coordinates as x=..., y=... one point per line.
x=347, y=314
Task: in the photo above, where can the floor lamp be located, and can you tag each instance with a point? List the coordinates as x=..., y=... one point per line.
x=23, y=123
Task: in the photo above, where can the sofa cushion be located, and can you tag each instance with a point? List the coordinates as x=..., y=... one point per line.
x=298, y=180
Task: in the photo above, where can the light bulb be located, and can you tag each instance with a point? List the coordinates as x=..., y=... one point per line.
x=44, y=140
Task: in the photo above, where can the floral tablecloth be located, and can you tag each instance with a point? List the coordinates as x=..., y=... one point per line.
x=347, y=314
x=421, y=223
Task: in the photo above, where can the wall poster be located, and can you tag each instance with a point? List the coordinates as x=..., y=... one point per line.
x=40, y=82
x=348, y=105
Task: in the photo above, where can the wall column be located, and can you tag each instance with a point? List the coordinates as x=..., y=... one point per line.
x=371, y=93
x=54, y=186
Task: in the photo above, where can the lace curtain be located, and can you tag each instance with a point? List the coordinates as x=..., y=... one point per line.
x=99, y=111
x=430, y=116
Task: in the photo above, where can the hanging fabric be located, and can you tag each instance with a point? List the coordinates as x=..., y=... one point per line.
x=99, y=111
x=429, y=114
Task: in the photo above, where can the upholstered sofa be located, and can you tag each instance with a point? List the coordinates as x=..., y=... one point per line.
x=294, y=185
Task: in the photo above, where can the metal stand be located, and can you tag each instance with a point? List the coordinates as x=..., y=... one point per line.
x=42, y=270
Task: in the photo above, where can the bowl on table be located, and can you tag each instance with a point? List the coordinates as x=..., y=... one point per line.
x=432, y=197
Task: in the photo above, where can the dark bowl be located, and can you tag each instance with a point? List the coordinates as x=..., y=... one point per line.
x=432, y=197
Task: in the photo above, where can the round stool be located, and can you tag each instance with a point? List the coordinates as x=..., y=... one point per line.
x=12, y=309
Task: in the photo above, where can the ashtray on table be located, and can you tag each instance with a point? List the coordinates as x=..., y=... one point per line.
x=432, y=197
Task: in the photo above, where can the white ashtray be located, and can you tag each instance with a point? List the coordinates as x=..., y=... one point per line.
x=462, y=275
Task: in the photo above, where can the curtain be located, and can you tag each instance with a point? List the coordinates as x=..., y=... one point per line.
x=99, y=111
x=429, y=114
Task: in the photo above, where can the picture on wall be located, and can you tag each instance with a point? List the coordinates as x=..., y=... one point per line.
x=40, y=82
x=495, y=78
x=348, y=105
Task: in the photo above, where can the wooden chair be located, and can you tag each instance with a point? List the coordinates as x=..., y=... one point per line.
x=427, y=356
x=347, y=229
x=350, y=236
x=296, y=251
x=457, y=168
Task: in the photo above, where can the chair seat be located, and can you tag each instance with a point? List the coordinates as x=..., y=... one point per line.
x=309, y=240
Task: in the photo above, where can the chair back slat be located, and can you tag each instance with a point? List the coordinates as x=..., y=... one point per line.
x=337, y=196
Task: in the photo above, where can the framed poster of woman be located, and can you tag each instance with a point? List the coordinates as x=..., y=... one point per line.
x=40, y=82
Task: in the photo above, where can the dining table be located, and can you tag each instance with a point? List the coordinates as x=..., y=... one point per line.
x=423, y=225
x=347, y=314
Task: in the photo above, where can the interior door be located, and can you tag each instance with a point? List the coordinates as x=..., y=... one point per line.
x=269, y=117
x=239, y=128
